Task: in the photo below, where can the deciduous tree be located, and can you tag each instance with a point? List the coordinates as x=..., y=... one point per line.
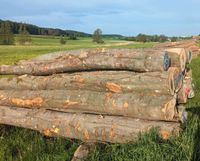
x=62, y=40
x=97, y=36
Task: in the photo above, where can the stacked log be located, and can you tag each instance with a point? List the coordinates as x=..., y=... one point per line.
x=191, y=46
x=137, y=60
x=98, y=95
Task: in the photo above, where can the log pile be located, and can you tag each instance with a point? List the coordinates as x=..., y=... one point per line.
x=98, y=95
x=191, y=46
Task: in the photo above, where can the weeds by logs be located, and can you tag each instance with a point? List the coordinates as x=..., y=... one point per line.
x=98, y=95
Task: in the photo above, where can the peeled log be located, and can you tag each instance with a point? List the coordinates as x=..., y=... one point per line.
x=139, y=60
x=102, y=81
x=86, y=127
x=144, y=105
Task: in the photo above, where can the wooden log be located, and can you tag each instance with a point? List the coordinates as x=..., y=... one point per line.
x=175, y=74
x=86, y=127
x=184, y=53
x=189, y=55
x=178, y=57
x=144, y=105
x=191, y=45
x=82, y=151
x=102, y=81
x=188, y=76
x=186, y=90
x=182, y=96
x=183, y=44
x=139, y=60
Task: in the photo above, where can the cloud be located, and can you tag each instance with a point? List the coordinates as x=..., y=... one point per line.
x=127, y=17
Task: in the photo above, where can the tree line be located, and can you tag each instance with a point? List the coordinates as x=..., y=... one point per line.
x=35, y=30
x=154, y=38
x=9, y=28
x=7, y=36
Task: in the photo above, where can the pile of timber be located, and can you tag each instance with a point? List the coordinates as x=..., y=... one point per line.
x=98, y=95
x=190, y=45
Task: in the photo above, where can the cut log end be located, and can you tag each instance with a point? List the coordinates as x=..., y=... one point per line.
x=169, y=109
x=182, y=113
x=166, y=62
x=82, y=151
x=186, y=90
x=178, y=57
x=175, y=79
x=189, y=56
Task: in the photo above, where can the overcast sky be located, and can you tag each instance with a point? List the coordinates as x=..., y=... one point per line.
x=127, y=17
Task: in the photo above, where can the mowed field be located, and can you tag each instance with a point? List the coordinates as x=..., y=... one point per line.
x=18, y=144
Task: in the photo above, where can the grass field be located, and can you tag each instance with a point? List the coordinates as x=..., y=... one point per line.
x=44, y=44
x=26, y=145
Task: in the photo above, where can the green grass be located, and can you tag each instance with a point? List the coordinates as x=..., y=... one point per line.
x=20, y=144
x=44, y=44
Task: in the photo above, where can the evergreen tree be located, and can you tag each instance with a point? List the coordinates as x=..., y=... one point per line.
x=24, y=36
x=62, y=40
x=97, y=36
x=6, y=35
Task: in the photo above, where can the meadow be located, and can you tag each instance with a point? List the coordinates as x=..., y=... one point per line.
x=45, y=44
x=18, y=144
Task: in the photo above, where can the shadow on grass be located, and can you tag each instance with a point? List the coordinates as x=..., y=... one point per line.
x=196, y=150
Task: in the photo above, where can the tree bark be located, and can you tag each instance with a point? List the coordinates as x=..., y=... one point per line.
x=86, y=127
x=138, y=60
x=144, y=105
x=102, y=81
